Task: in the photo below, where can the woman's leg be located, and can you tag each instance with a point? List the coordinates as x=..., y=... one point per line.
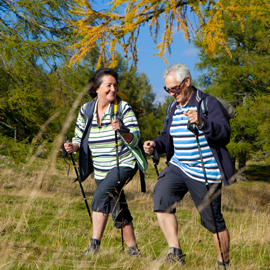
x=99, y=224
x=109, y=197
x=128, y=234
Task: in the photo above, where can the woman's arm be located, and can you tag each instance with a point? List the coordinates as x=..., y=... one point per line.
x=71, y=147
x=80, y=127
x=130, y=121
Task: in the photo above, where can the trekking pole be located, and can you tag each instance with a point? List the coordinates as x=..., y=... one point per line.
x=78, y=179
x=194, y=130
x=118, y=176
x=155, y=159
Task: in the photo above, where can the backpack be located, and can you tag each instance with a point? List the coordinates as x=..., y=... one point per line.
x=85, y=160
x=226, y=107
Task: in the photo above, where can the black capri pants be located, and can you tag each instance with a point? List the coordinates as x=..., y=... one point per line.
x=172, y=186
x=109, y=196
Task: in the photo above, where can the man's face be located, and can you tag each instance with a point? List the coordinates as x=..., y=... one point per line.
x=178, y=90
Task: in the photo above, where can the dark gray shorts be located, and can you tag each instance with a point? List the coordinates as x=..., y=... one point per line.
x=109, y=196
x=172, y=186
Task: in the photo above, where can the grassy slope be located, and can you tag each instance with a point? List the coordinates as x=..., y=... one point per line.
x=48, y=228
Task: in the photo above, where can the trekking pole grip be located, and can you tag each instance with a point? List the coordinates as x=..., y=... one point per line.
x=155, y=162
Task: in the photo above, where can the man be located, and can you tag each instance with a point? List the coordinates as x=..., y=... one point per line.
x=185, y=172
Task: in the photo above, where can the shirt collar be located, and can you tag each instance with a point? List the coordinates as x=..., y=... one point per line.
x=192, y=101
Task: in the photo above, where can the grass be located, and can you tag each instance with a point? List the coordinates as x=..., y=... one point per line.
x=44, y=223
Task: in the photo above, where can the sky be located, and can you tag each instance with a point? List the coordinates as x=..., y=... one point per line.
x=153, y=66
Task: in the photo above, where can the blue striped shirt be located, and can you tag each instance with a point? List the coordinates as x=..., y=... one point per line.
x=186, y=154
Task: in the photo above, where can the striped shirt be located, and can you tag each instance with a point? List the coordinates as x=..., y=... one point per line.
x=186, y=154
x=101, y=140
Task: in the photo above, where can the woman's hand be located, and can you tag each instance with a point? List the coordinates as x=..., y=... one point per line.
x=128, y=137
x=115, y=124
x=71, y=147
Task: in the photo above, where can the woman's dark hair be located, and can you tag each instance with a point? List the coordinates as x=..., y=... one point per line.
x=96, y=80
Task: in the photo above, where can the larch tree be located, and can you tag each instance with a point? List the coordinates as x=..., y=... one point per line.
x=119, y=22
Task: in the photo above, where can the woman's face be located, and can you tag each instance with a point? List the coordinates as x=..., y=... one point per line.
x=107, y=90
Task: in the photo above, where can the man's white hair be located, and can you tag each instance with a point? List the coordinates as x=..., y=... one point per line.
x=179, y=69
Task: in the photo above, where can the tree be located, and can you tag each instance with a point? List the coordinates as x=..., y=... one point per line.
x=37, y=87
x=119, y=22
x=250, y=131
x=33, y=40
x=243, y=79
x=152, y=124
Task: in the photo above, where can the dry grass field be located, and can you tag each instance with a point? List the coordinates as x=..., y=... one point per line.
x=44, y=222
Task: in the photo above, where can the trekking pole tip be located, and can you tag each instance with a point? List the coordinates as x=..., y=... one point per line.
x=75, y=180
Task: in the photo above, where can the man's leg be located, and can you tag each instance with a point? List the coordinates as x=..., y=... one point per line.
x=170, y=188
x=205, y=208
x=224, y=237
x=169, y=226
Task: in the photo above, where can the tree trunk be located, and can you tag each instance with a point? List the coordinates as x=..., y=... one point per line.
x=234, y=162
x=241, y=175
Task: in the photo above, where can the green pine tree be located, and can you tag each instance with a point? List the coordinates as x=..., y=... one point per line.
x=242, y=79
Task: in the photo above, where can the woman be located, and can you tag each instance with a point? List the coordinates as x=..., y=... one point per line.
x=109, y=196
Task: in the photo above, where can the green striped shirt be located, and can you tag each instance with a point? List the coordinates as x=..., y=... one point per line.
x=101, y=140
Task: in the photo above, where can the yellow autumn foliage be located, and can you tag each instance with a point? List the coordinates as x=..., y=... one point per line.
x=119, y=23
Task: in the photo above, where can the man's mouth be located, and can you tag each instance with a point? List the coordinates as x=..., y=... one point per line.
x=177, y=94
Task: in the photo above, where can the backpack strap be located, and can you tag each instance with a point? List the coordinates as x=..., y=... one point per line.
x=203, y=102
x=85, y=160
x=204, y=106
x=116, y=108
x=167, y=115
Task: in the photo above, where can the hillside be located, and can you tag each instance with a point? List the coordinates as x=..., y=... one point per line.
x=44, y=222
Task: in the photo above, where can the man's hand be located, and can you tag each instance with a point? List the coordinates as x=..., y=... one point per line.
x=193, y=117
x=148, y=147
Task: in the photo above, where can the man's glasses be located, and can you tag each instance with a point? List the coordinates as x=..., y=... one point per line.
x=174, y=89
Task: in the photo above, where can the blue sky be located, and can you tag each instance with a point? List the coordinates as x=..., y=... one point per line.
x=153, y=66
